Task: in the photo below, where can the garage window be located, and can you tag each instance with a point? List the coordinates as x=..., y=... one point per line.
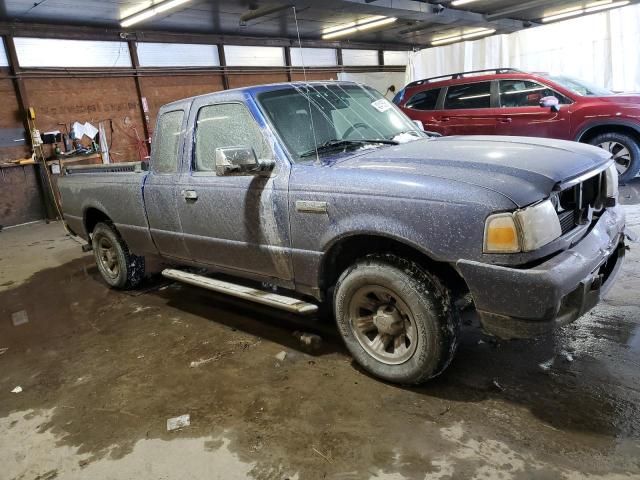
x=426, y=100
x=52, y=52
x=472, y=95
x=177, y=55
x=3, y=55
x=226, y=125
x=167, y=142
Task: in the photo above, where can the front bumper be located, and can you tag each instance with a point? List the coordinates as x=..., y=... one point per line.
x=520, y=303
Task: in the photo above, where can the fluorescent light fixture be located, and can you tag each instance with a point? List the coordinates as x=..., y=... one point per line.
x=478, y=32
x=598, y=6
x=150, y=12
x=353, y=27
x=457, y=3
x=560, y=14
x=442, y=41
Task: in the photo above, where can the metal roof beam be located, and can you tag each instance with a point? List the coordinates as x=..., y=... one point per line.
x=521, y=7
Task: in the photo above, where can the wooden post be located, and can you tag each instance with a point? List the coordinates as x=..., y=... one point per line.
x=144, y=105
x=223, y=64
x=287, y=63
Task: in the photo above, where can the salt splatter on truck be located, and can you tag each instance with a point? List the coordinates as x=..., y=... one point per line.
x=329, y=194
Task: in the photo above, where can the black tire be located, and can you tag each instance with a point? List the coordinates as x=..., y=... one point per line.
x=630, y=143
x=430, y=307
x=118, y=267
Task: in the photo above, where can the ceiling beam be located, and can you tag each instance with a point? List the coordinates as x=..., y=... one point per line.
x=521, y=7
x=95, y=33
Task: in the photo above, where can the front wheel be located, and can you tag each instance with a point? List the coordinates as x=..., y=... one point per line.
x=396, y=319
x=625, y=151
x=118, y=267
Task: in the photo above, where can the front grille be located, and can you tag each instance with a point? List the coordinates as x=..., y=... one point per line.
x=567, y=221
x=577, y=204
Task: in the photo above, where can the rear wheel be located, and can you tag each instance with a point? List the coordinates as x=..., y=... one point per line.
x=625, y=151
x=396, y=319
x=118, y=267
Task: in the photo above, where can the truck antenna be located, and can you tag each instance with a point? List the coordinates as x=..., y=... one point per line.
x=308, y=93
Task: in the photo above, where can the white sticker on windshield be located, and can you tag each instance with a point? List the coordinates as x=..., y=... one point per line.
x=381, y=105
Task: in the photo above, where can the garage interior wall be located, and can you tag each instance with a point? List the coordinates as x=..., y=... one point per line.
x=64, y=84
x=594, y=48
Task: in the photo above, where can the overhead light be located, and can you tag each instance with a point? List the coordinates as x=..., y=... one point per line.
x=598, y=6
x=150, y=12
x=560, y=14
x=352, y=27
x=479, y=32
x=457, y=3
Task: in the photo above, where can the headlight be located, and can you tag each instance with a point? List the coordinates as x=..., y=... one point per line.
x=522, y=231
x=611, y=175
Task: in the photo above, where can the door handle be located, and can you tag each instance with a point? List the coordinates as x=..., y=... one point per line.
x=505, y=120
x=444, y=119
x=190, y=194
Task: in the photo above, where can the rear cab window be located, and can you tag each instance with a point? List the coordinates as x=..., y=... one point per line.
x=468, y=95
x=526, y=93
x=425, y=100
x=166, y=143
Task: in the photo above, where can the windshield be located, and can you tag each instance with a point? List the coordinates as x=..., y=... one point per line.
x=580, y=87
x=343, y=116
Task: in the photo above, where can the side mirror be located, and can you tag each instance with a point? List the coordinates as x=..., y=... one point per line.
x=550, y=102
x=239, y=161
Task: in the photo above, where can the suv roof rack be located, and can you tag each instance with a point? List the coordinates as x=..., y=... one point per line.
x=454, y=76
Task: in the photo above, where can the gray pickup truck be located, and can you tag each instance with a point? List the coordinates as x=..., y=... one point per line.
x=328, y=194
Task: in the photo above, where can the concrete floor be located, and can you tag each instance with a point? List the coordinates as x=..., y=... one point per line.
x=101, y=371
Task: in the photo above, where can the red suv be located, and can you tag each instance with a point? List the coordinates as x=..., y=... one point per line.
x=511, y=102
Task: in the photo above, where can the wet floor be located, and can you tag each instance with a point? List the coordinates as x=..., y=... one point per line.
x=101, y=372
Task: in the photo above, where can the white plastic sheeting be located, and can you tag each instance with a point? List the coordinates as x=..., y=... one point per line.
x=250, y=56
x=600, y=48
x=313, y=57
x=4, y=62
x=49, y=52
x=359, y=58
x=177, y=55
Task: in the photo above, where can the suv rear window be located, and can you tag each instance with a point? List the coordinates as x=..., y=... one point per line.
x=425, y=100
x=471, y=95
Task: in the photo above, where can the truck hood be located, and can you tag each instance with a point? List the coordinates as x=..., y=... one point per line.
x=523, y=169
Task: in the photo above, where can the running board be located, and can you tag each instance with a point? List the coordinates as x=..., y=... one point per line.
x=289, y=304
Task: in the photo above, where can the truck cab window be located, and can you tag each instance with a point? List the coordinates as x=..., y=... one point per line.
x=226, y=125
x=167, y=141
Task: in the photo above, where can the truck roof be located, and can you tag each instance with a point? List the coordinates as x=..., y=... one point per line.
x=255, y=89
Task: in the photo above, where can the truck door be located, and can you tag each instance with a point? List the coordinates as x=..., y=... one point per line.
x=234, y=222
x=160, y=189
x=521, y=113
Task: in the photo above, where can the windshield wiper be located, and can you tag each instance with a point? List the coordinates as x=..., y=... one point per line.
x=331, y=145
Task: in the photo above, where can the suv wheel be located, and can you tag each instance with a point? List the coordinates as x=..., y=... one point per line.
x=396, y=319
x=118, y=267
x=625, y=151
